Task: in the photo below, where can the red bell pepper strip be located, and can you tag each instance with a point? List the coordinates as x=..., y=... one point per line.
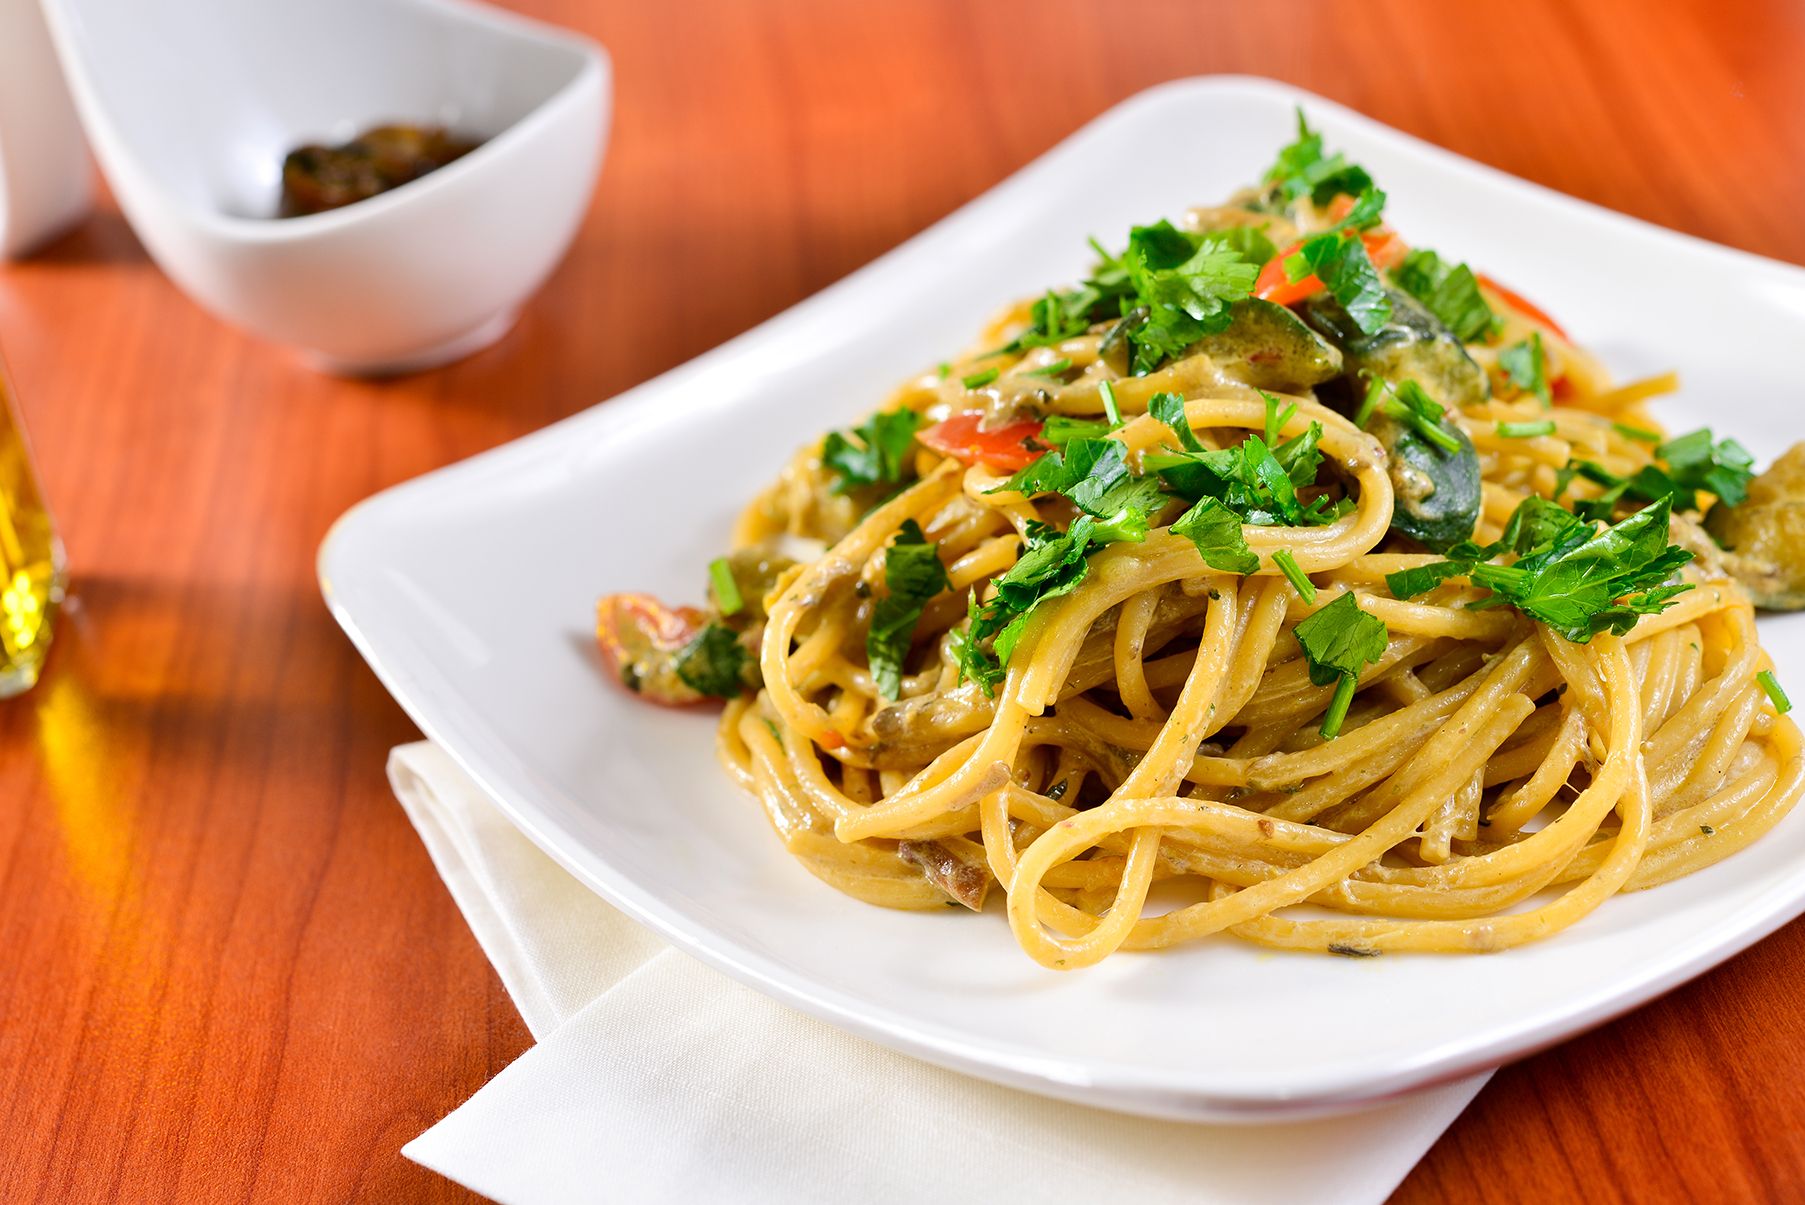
x=1383, y=247
x=1006, y=447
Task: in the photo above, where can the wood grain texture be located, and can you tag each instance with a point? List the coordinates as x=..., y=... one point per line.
x=227, y=969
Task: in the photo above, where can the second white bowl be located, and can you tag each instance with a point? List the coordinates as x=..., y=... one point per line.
x=191, y=106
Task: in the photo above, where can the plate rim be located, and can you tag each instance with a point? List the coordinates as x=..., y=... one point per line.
x=1117, y=1087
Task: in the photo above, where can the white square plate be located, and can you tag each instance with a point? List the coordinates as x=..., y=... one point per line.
x=471, y=592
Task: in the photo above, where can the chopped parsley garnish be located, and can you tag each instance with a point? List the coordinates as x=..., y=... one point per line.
x=1249, y=242
x=979, y=379
x=1216, y=531
x=726, y=590
x=1064, y=314
x=1063, y=364
x=913, y=574
x=1338, y=641
x=877, y=453
x=1450, y=292
x=1406, y=402
x=1169, y=408
x=1775, y=695
x=1256, y=481
x=1575, y=576
x=714, y=662
x=1051, y=565
x=1338, y=258
x=1526, y=364
x=1093, y=474
x=1306, y=589
x=1526, y=430
x=1694, y=462
x=1169, y=288
x=1116, y=506
x=1420, y=579
x=1185, y=283
x=1303, y=170
x=974, y=663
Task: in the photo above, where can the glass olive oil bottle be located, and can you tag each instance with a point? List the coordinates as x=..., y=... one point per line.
x=32, y=570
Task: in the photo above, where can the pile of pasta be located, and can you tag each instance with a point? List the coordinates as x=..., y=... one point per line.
x=1150, y=770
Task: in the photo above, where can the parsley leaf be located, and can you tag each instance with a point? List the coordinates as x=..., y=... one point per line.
x=1301, y=456
x=1094, y=474
x=1169, y=408
x=1255, y=481
x=877, y=454
x=1339, y=260
x=1302, y=168
x=1450, y=292
x=1526, y=364
x=1420, y=579
x=1571, y=574
x=1536, y=523
x=714, y=662
x=913, y=573
x=1060, y=315
x=974, y=663
x=1364, y=213
x=1216, y=530
x=1696, y=463
x=1186, y=283
x=1249, y=242
x=1338, y=641
x=1051, y=564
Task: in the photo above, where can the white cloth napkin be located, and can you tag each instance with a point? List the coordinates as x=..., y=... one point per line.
x=657, y=1079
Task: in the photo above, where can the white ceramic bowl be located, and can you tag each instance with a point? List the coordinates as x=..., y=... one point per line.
x=192, y=104
x=46, y=184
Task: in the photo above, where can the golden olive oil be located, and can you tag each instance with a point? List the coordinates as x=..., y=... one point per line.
x=31, y=556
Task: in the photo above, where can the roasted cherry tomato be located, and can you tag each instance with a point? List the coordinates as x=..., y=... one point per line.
x=640, y=638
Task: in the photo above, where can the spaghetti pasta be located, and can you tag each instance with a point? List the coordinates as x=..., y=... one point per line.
x=1156, y=759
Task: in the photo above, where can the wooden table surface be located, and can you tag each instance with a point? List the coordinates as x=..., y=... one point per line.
x=228, y=971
